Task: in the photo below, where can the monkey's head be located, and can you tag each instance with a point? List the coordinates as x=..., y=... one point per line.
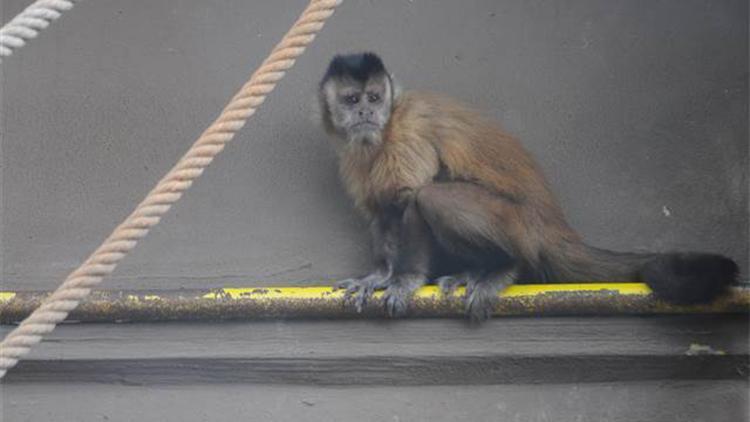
x=356, y=96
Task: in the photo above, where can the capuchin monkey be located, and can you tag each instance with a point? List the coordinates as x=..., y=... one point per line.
x=453, y=199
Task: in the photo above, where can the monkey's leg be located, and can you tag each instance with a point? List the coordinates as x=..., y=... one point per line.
x=384, y=234
x=413, y=266
x=475, y=225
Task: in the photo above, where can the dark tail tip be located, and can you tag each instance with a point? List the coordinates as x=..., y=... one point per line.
x=689, y=278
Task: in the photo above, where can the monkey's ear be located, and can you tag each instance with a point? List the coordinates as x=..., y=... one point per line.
x=319, y=111
x=396, y=88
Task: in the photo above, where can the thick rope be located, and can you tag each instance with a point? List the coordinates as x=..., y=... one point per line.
x=169, y=190
x=25, y=26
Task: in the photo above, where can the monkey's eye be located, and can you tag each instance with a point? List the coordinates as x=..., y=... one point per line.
x=351, y=99
x=373, y=98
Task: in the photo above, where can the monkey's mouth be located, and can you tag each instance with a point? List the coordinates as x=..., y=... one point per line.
x=365, y=125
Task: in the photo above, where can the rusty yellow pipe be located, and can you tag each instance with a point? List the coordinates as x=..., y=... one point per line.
x=237, y=303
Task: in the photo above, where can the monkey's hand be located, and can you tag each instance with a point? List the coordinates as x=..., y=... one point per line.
x=399, y=292
x=358, y=291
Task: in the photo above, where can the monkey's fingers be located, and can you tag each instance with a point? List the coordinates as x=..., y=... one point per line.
x=471, y=284
x=482, y=294
x=357, y=292
x=347, y=284
x=352, y=288
x=449, y=283
x=361, y=298
x=376, y=280
x=481, y=302
x=399, y=292
x=396, y=302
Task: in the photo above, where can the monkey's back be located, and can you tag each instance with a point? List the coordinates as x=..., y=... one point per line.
x=470, y=146
x=431, y=137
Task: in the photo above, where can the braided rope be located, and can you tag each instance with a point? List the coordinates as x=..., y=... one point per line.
x=27, y=24
x=169, y=190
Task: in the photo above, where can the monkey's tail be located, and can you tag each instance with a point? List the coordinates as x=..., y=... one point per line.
x=680, y=278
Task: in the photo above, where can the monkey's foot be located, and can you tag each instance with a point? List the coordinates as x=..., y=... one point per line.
x=449, y=283
x=481, y=294
x=481, y=298
x=397, y=295
x=358, y=291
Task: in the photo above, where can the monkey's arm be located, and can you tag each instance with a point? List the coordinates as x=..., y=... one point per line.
x=397, y=175
x=384, y=233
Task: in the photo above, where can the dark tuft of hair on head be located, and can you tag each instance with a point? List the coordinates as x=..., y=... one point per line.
x=358, y=66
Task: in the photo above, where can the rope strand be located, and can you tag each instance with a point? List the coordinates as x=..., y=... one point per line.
x=170, y=188
x=28, y=24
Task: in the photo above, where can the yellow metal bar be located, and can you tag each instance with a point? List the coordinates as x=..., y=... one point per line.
x=6, y=296
x=325, y=302
x=518, y=290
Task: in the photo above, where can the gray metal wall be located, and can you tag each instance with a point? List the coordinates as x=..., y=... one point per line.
x=637, y=110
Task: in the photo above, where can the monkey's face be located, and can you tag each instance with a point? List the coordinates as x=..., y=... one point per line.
x=356, y=95
x=358, y=111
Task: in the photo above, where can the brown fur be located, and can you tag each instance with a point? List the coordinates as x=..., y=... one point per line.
x=448, y=192
x=430, y=137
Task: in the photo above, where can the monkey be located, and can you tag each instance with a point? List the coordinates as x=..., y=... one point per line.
x=453, y=199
